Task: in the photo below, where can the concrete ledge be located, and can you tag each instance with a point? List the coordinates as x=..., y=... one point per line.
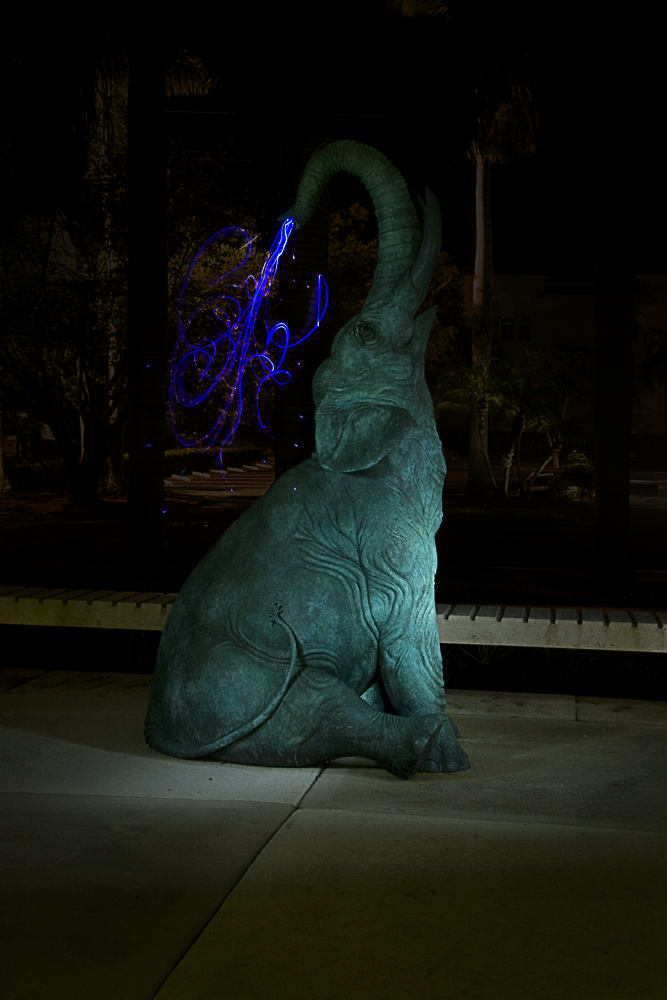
x=485, y=625
x=126, y=609
x=567, y=628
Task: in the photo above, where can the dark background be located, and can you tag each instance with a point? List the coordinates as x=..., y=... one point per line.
x=290, y=77
x=358, y=73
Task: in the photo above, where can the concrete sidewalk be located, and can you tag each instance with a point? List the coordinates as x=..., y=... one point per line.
x=129, y=875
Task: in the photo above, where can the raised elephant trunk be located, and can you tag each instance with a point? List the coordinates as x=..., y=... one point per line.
x=406, y=255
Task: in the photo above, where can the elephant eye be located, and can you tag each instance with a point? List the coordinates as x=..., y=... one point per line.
x=366, y=334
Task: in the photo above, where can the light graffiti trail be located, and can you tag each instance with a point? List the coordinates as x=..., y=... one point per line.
x=235, y=352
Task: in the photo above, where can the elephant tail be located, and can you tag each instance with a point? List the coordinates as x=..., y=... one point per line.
x=158, y=740
x=275, y=616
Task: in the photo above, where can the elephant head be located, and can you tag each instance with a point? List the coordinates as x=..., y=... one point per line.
x=370, y=395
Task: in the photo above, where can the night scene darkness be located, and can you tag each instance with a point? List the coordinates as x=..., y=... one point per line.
x=333, y=453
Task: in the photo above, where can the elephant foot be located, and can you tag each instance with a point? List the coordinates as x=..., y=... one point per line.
x=411, y=741
x=445, y=754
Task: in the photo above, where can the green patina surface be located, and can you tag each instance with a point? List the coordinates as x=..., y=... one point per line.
x=308, y=632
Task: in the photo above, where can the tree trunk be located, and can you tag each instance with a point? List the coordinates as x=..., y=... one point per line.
x=482, y=297
x=147, y=340
x=494, y=484
x=116, y=462
x=306, y=256
x=517, y=459
x=509, y=458
x=553, y=452
x=613, y=378
x=482, y=412
x=515, y=437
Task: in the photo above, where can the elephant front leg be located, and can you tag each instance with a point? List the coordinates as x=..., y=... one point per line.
x=411, y=669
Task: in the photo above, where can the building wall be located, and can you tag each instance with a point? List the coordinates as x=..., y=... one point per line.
x=563, y=312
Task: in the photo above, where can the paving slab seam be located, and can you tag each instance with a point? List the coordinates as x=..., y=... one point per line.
x=192, y=944
x=314, y=870
x=577, y=785
x=293, y=809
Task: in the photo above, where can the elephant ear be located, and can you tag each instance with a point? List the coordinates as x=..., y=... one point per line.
x=359, y=436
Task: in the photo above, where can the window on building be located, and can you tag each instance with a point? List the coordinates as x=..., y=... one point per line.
x=524, y=328
x=507, y=328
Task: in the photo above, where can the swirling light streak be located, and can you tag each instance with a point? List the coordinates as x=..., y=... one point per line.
x=239, y=337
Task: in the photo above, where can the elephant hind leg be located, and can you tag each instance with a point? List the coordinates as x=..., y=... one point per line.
x=321, y=718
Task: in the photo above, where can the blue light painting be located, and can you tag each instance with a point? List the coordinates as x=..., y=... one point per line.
x=240, y=347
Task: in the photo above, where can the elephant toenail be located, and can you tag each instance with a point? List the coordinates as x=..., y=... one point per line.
x=431, y=765
x=452, y=765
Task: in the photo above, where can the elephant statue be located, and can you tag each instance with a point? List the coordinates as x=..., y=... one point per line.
x=308, y=631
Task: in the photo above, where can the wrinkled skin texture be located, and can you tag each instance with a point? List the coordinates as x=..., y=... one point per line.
x=308, y=632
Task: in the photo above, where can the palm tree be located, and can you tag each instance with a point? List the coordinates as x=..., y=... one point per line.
x=511, y=130
x=486, y=77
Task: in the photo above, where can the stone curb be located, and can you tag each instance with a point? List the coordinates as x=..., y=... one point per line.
x=501, y=704
x=636, y=630
x=552, y=628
